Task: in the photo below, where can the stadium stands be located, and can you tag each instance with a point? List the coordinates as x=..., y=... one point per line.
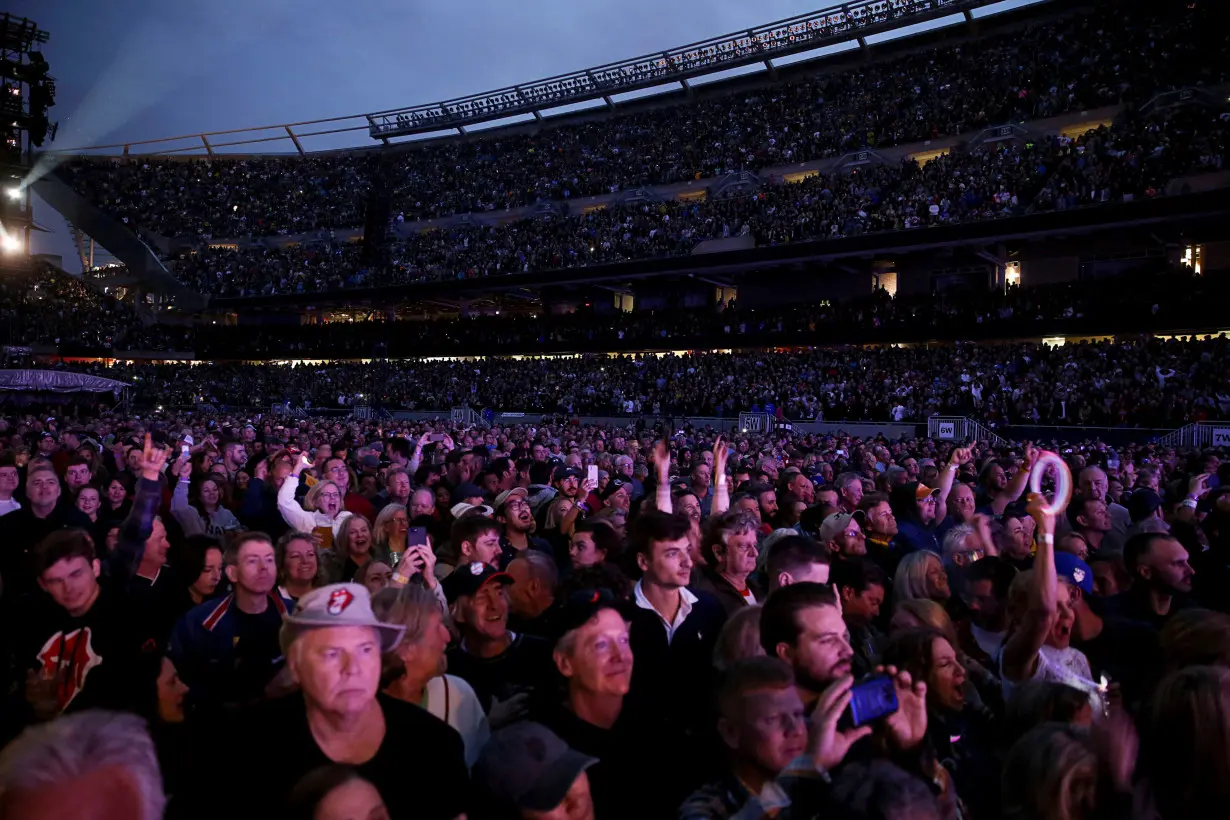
x=1079, y=62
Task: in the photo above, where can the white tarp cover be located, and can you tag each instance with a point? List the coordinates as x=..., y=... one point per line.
x=57, y=381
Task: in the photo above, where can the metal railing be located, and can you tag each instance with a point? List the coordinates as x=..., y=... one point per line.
x=836, y=23
x=1200, y=434
x=960, y=428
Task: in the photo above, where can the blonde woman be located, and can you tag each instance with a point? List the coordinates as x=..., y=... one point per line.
x=415, y=670
x=352, y=549
x=389, y=531
x=921, y=576
x=321, y=513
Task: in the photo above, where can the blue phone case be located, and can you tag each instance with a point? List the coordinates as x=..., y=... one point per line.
x=872, y=699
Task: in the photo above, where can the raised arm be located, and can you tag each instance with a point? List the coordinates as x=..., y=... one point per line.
x=1016, y=487
x=416, y=458
x=136, y=528
x=721, y=486
x=294, y=515
x=1021, y=651
x=662, y=472
x=189, y=519
x=948, y=475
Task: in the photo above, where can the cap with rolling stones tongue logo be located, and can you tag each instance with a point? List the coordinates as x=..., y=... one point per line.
x=337, y=605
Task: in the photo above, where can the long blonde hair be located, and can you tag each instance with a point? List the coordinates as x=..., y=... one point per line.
x=910, y=581
x=379, y=535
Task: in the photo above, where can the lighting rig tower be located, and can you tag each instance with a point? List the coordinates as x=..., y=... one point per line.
x=26, y=94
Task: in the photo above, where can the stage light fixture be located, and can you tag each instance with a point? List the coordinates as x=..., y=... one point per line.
x=9, y=242
x=14, y=192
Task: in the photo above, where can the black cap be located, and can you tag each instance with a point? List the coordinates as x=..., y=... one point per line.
x=527, y=766
x=613, y=486
x=1142, y=503
x=567, y=472
x=583, y=605
x=465, y=491
x=468, y=579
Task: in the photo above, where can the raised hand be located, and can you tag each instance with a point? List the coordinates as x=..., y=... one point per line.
x=908, y=725
x=828, y=744
x=304, y=463
x=153, y=459
x=661, y=458
x=721, y=452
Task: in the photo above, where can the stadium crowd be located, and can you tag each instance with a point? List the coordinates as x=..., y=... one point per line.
x=1132, y=159
x=374, y=619
x=1104, y=55
x=249, y=589
x=50, y=307
x=1153, y=299
x=1132, y=382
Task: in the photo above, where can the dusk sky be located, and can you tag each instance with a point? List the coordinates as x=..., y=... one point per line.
x=142, y=69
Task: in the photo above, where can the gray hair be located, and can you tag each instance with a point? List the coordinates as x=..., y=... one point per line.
x=954, y=541
x=846, y=480
x=542, y=567
x=52, y=754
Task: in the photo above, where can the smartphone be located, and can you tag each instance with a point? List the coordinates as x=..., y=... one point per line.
x=872, y=698
x=416, y=536
x=593, y=473
x=436, y=437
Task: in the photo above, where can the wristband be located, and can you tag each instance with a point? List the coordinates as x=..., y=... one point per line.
x=1046, y=538
x=401, y=579
x=1190, y=503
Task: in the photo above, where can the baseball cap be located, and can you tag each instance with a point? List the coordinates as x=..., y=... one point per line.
x=1073, y=570
x=337, y=605
x=836, y=523
x=465, y=491
x=528, y=766
x=582, y=605
x=613, y=486
x=567, y=472
x=515, y=492
x=470, y=578
x=1142, y=503
x=458, y=510
x=922, y=491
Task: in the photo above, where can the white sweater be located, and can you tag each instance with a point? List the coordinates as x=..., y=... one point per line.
x=299, y=518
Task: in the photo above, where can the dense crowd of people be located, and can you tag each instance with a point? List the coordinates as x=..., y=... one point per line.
x=1112, y=53
x=1134, y=159
x=1130, y=382
x=1155, y=298
x=248, y=588
x=370, y=619
x=49, y=307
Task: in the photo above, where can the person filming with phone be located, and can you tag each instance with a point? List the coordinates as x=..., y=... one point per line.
x=882, y=717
